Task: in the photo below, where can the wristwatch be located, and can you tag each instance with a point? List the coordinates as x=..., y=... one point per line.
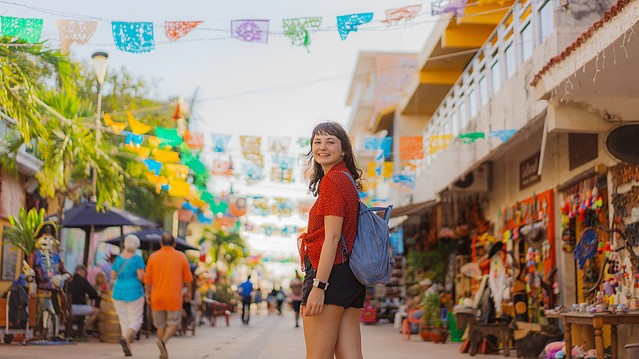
x=320, y=284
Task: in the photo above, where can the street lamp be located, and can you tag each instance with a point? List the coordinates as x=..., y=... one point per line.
x=100, y=61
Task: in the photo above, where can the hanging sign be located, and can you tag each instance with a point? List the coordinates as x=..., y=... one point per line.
x=250, y=30
x=349, y=23
x=74, y=31
x=134, y=37
x=528, y=171
x=177, y=29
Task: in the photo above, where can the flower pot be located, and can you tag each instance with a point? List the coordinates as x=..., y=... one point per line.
x=426, y=334
x=439, y=335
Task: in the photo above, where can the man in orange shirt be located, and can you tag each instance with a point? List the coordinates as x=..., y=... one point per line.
x=167, y=271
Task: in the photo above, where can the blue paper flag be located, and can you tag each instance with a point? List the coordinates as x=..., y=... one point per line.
x=153, y=166
x=134, y=37
x=503, y=135
x=407, y=179
x=189, y=206
x=348, y=23
x=203, y=219
x=132, y=138
x=220, y=141
x=376, y=143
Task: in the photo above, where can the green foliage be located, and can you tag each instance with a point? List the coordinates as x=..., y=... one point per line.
x=229, y=247
x=433, y=263
x=431, y=306
x=22, y=230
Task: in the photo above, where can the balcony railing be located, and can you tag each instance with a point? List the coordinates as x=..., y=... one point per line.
x=524, y=28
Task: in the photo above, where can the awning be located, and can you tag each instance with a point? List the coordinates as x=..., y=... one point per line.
x=413, y=208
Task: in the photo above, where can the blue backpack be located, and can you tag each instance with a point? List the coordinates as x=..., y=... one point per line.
x=370, y=259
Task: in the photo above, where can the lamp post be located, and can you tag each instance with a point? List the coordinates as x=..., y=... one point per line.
x=100, y=61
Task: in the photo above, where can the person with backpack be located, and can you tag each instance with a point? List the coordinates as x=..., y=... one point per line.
x=332, y=297
x=245, y=290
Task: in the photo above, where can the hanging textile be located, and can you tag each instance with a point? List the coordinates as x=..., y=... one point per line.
x=26, y=29
x=133, y=37
x=194, y=140
x=471, y=137
x=252, y=172
x=284, y=162
x=153, y=166
x=405, y=179
x=196, y=165
x=279, y=145
x=439, y=143
x=387, y=169
x=260, y=206
x=297, y=29
x=406, y=13
x=177, y=171
x=166, y=156
x=177, y=29
x=280, y=175
x=377, y=143
x=250, y=30
x=74, y=31
x=168, y=136
x=411, y=148
x=349, y=23
x=203, y=219
x=138, y=128
x=503, y=135
x=116, y=127
x=222, y=168
x=457, y=7
x=131, y=138
x=251, y=147
x=179, y=188
x=303, y=141
x=220, y=141
x=373, y=170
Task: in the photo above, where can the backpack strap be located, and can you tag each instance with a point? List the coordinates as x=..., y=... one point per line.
x=387, y=210
x=341, y=238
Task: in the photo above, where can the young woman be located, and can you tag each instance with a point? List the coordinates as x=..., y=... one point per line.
x=331, y=297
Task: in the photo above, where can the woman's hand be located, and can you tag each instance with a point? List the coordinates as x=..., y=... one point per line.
x=314, y=303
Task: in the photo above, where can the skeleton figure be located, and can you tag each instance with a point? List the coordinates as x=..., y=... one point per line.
x=50, y=274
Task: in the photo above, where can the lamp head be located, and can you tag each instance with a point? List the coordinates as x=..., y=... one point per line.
x=100, y=61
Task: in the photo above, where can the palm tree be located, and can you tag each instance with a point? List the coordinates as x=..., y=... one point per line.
x=24, y=71
x=23, y=228
x=222, y=243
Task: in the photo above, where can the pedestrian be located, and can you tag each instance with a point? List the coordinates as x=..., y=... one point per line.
x=258, y=298
x=127, y=275
x=296, y=296
x=332, y=297
x=280, y=297
x=245, y=290
x=81, y=291
x=167, y=272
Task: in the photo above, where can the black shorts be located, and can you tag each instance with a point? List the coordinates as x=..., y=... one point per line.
x=343, y=290
x=296, y=305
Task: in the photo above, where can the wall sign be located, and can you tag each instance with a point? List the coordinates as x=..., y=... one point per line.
x=528, y=169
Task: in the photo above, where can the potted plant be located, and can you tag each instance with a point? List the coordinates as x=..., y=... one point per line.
x=433, y=326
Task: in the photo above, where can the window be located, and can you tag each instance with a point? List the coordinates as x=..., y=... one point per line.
x=527, y=44
x=472, y=101
x=546, y=20
x=495, y=72
x=463, y=115
x=483, y=91
x=511, y=61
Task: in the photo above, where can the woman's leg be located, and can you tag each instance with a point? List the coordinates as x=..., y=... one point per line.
x=320, y=332
x=349, y=340
x=136, y=316
x=121, y=308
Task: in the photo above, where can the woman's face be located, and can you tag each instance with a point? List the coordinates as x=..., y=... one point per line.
x=327, y=150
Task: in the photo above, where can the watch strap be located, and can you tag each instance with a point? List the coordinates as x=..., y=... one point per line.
x=320, y=284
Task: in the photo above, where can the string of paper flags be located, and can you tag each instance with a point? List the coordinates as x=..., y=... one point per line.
x=140, y=37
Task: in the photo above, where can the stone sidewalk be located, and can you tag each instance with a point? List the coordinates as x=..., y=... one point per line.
x=267, y=337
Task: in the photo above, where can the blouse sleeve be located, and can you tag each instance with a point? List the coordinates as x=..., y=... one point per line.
x=139, y=262
x=330, y=198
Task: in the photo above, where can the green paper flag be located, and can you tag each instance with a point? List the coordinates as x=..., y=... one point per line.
x=26, y=29
x=197, y=166
x=472, y=136
x=168, y=136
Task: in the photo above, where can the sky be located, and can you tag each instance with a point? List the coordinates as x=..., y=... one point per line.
x=272, y=89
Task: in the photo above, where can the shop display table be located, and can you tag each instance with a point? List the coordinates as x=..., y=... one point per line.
x=468, y=316
x=597, y=320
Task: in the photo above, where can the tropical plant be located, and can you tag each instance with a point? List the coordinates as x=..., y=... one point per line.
x=221, y=244
x=432, y=307
x=22, y=230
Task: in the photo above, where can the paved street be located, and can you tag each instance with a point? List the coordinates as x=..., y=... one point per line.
x=268, y=337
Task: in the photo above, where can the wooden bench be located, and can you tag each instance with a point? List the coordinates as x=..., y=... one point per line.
x=215, y=309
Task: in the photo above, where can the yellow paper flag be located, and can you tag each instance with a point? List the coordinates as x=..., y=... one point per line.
x=179, y=189
x=154, y=141
x=372, y=169
x=387, y=169
x=137, y=127
x=166, y=156
x=117, y=127
x=177, y=171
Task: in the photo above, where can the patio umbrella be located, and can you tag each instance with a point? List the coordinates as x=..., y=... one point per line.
x=150, y=240
x=85, y=217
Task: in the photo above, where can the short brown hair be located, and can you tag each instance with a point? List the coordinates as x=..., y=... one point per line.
x=167, y=239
